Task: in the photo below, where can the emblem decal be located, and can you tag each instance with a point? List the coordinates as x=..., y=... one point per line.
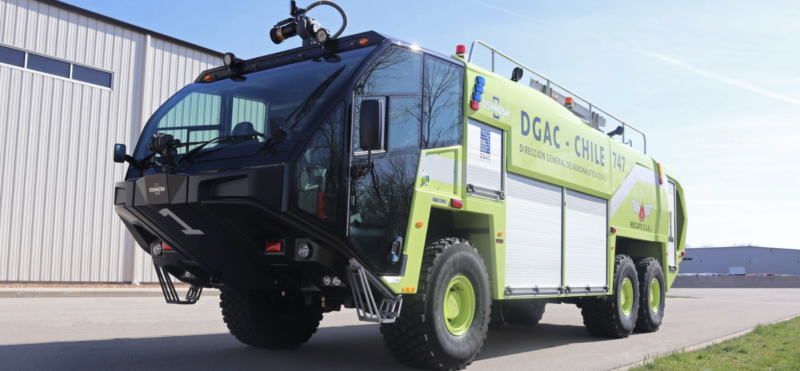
x=642, y=210
x=157, y=189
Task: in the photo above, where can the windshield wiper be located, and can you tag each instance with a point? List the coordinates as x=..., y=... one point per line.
x=220, y=139
x=309, y=103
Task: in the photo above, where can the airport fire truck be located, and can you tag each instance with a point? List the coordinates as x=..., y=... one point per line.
x=436, y=197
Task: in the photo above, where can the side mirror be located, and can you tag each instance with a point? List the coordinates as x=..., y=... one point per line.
x=370, y=131
x=119, y=153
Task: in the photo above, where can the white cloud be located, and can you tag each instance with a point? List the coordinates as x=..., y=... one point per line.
x=721, y=78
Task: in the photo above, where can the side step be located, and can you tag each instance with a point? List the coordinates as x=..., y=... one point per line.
x=169, y=289
x=364, y=300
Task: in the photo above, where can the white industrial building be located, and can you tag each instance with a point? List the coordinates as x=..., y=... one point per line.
x=741, y=260
x=73, y=83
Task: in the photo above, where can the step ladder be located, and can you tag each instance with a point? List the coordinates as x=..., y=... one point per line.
x=364, y=300
x=170, y=294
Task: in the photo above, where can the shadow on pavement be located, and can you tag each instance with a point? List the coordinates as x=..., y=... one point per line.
x=352, y=348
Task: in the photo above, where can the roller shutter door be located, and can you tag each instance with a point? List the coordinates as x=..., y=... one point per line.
x=533, y=242
x=585, y=240
x=484, y=160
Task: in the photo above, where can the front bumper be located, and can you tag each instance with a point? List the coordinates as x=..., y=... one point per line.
x=218, y=226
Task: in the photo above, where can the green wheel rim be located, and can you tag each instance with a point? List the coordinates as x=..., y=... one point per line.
x=655, y=295
x=626, y=297
x=459, y=305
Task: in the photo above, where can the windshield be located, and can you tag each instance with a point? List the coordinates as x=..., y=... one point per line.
x=243, y=106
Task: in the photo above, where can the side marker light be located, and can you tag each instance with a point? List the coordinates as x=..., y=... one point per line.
x=613, y=230
x=474, y=105
x=458, y=204
x=274, y=247
x=363, y=41
x=420, y=224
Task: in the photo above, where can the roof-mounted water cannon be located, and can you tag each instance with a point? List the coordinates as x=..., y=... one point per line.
x=307, y=28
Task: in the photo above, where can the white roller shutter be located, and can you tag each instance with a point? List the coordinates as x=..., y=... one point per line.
x=484, y=160
x=533, y=236
x=585, y=240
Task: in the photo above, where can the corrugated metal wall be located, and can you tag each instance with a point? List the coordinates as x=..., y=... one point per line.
x=56, y=135
x=168, y=69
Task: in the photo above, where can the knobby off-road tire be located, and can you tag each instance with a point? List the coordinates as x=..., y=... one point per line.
x=268, y=319
x=614, y=316
x=651, y=282
x=420, y=337
x=523, y=312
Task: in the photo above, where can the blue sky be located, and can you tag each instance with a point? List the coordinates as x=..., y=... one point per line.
x=715, y=85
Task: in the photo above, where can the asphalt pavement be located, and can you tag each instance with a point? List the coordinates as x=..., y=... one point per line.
x=144, y=333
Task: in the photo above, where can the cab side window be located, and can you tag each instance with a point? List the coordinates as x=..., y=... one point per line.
x=442, y=121
x=319, y=169
x=396, y=79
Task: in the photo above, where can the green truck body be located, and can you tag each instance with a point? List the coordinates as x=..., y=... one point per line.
x=544, y=141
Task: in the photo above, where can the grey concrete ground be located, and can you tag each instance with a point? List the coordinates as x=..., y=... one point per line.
x=145, y=333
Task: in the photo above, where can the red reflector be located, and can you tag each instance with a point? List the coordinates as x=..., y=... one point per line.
x=474, y=105
x=321, y=206
x=461, y=49
x=165, y=247
x=274, y=247
x=456, y=203
x=613, y=230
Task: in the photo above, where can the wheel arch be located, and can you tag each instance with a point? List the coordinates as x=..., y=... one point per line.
x=473, y=227
x=638, y=249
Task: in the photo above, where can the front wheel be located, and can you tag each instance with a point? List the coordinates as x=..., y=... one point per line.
x=444, y=325
x=523, y=312
x=269, y=320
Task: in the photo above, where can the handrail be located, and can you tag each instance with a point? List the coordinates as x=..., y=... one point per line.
x=591, y=105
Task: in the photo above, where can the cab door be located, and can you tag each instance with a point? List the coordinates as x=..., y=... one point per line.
x=380, y=201
x=423, y=99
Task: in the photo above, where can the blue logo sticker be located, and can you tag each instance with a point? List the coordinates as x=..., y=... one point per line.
x=486, y=142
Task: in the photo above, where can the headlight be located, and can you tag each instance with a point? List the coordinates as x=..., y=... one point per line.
x=323, y=36
x=155, y=249
x=303, y=251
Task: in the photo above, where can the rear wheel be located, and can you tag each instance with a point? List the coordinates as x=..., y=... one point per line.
x=523, y=312
x=615, y=315
x=269, y=319
x=652, y=295
x=444, y=325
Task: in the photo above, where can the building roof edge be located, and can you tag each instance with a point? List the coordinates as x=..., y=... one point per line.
x=117, y=22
